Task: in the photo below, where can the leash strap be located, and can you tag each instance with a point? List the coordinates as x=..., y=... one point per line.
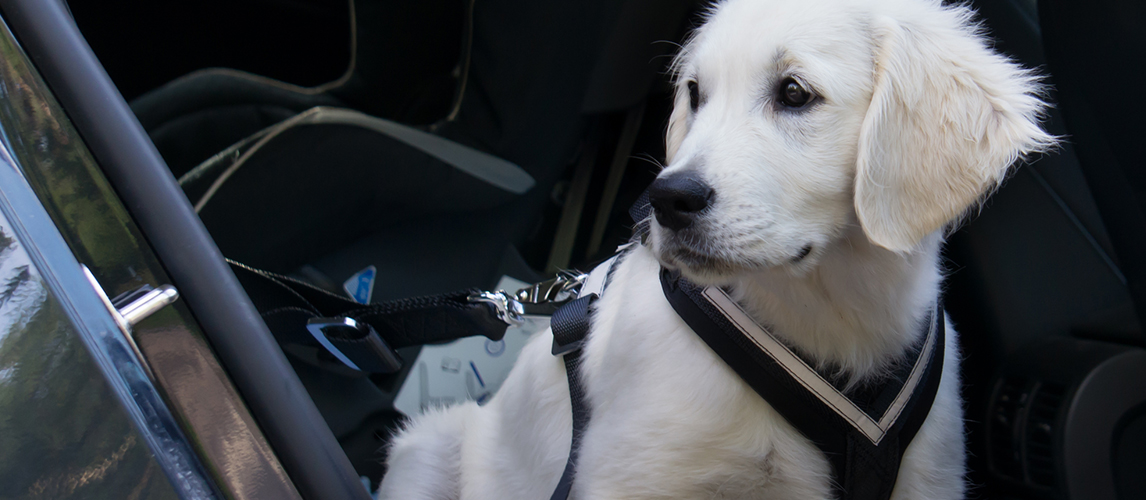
x=344, y=336
x=865, y=432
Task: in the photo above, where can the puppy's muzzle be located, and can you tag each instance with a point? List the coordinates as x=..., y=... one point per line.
x=679, y=198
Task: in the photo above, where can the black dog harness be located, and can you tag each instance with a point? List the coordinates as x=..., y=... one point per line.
x=863, y=432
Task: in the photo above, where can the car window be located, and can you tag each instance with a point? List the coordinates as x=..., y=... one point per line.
x=52, y=159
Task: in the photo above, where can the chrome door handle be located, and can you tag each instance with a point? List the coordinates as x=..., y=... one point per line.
x=150, y=303
x=135, y=311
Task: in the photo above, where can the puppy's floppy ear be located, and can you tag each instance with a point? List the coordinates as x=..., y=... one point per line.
x=947, y=118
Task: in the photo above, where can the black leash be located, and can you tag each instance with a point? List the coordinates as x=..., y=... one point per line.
x=344, y=336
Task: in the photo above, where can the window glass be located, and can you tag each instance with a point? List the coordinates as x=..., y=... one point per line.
x=63, y=433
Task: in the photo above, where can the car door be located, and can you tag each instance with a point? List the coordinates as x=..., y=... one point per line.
x=97, y=401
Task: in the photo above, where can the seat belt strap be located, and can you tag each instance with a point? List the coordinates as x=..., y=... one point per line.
x=334, y=332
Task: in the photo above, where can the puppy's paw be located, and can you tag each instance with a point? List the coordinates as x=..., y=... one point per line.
x=424, y=459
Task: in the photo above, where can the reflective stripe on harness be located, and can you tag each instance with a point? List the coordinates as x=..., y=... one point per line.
x=864, y=432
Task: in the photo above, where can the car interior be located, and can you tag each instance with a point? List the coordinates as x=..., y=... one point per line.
x=448, y=144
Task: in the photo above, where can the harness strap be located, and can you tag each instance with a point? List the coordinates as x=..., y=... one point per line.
x=570, y=326
x=865, y=432
x=345, y=336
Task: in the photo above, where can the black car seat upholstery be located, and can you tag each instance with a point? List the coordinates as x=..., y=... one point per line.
x=404, y=65
x=200, y=114
x=317, y=188
x=1104, y=43
x=521, y=102
x=327, y=177
x=325, y=198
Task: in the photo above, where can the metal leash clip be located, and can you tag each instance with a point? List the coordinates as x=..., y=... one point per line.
x=544, y=298
x=505, y=306
x=540, y=299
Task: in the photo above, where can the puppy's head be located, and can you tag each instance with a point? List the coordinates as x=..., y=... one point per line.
x=794, y=120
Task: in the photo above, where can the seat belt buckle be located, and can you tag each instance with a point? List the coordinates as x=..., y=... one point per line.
x=355, y=344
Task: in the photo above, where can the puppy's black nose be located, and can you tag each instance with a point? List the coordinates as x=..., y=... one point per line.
x=677, y=199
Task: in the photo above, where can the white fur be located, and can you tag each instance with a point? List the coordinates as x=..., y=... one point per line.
x=916, y=121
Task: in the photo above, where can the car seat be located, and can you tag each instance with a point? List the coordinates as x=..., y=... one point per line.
x=323, y=192
x=1041, y=283
x=199, y=114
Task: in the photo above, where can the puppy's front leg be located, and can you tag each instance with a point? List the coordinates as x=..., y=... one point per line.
x=424, y=461
x=513, y=447
x=517, y=444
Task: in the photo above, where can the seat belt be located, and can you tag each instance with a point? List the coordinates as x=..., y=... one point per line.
x=347, y=337
x=344, y=336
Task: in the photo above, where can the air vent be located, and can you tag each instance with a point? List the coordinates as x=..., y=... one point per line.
x=1040, y=433
x=1006, y=457
x=1022, y=431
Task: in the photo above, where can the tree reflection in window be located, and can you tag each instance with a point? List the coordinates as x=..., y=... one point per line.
x=63, y=434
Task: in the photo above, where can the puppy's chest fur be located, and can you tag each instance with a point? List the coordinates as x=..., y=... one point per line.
x=670, y=419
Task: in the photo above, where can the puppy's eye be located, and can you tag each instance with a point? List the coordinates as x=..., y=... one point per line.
x=793, y=95
x=693, y=95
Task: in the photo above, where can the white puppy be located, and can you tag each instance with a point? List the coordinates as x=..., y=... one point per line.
x=832, y=142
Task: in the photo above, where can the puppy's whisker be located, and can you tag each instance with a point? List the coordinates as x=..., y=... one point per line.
x=650, y=159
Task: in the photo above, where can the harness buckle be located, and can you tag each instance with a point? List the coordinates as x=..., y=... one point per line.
x=570, y=325
x=560, y=349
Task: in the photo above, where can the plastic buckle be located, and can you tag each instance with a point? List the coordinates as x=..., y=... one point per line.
x=560, y=349
x=382, y=358
x=573, y=321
